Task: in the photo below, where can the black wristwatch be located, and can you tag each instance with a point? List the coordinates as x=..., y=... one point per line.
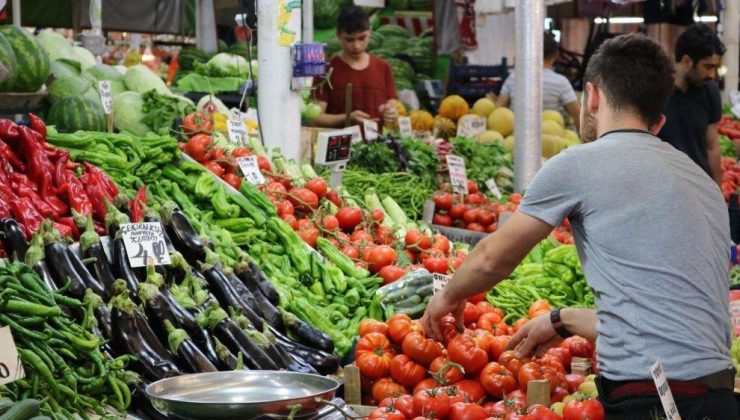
x=558, y=325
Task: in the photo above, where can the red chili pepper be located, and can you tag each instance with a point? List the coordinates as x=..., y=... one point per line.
x=5, y=186
x=138, y=204
x=110, y=188
x=60, y=171
x=95, y=194
x=37, y=125
x=4, y=207
x=22, y=192
x=9, y=132
x=75, y=193
x=27, y=215
x=7, y=153
x=39, y=165
x=64, y=229
x=70, y=224
x=99, y=228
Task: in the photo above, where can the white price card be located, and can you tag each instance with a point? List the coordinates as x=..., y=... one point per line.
x=235, y=114
x=145, y=244
x=736, y=110
x=735, y=97
x=356, y=133
x=493, y=188
x=105, y=95
x=404, y=126
x=477, y=125
x=371, y=129
x=664, y=391
x=458, y=174
x=11, y=368
x=439, y=281
x=237, y=133
x=251, y=170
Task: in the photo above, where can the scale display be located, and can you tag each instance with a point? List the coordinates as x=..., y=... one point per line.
x=333, y=147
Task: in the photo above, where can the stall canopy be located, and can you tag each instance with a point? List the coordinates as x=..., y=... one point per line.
x=148, y=16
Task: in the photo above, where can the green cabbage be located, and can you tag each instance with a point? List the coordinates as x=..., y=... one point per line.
x=121, y=69
x=83, y=56
x=65, y=67
x=56, y=45
x=102, y=72
x=140, y=79
x=224, y=65
x=128, y=113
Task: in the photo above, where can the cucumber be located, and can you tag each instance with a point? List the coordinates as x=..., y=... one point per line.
x=5, y=404
x=22, y=410
x=40, y=418
x=414, y=311
x=417, y=278
x=409, y=302
x=399, y=295
x=426, y=290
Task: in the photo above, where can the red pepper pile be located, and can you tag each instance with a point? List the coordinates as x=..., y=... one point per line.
x=730, y=176
x=729, y=127
x=38, y=181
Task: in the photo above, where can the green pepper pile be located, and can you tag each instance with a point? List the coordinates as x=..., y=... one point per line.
x=552, y=272
x=63, y=363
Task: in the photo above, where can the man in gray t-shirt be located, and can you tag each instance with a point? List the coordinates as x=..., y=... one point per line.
x=652, y=233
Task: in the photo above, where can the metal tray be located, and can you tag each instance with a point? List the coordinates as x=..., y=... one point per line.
x=241, y=394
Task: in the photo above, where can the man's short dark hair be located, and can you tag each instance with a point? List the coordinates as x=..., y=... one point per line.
x=698, y=41
x=635, y=73
x=550, y=45
x=352, y=19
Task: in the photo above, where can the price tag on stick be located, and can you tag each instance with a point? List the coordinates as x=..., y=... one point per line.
x=491, y=184
x=439, y=281
x=237, y=133
x=145, y=244
x=458, y=174
x=251, y=170
x=404, y=126
x=106, y=97
x=371, y=129
x=11, y=368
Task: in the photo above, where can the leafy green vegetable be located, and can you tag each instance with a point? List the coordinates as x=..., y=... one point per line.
x=727, y=147
x=225, y=65
x=140, y=79
x=423, y=160
x=194, y=82
x=128, y=114
x=485, y=161
x=373, y=157
x=161, y=110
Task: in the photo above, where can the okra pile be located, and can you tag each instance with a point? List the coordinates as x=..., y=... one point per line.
x=64, y=366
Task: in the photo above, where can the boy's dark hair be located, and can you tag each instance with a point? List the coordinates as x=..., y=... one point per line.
x=635, y=73
x=550, y=45
x=698, y=41
x=352, y=19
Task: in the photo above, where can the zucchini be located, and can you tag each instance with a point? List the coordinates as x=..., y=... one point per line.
x=408, y=302
x=22, y=410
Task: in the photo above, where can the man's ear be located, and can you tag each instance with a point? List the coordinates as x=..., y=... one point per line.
x=592, y=101
x=655, y=128
x=687, y=61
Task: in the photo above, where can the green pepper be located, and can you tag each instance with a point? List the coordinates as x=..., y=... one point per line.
x=579, y=289
x=340, y=260
x=308, y=313
x=352, y=297
x=221, y=203
x=250, y=209
x=376, y=310
x=318, y=289
x=559, y=254
x=336, y=277
x=530, y=269
x=205, y=187
x=294, y=246
x=563, y=272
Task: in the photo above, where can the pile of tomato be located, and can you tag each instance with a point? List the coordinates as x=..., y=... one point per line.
x=478, y=213
x=730, y=176
x=470, y=375
x=729, y=127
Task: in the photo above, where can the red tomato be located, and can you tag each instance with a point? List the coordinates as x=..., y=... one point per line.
x=540, y=412
x=580, y=410
x=578, y=346
x=349, y=218
x=477, y=298
x=303, y=199
x=404, y=404
x=442, y=201
x=329, y=222
x=488, y=320
x=386, y=413
x=491, y=228
x=558, y=393
x=472, y=187
x=561, y=353
x=264, y=164
x=370, y=325
x=457, y=211
x=291, y=220
x=475, y=227
x=391, y=273
x=471, y=313
x=334, y=198
x=285, y=208
x=420, y=349
x=432, y=401
x=217, y=153
x=373, y=355
x=384, y=235
x=379, y=257
x=400, y=325
x=234, y=180
x=449, y=372
x=538, y=307
x=417, y=240
x=442, y=220
x=483, y=306
x=471, y=391
x=385, y=387
x=405, y=371
x=275, y=190
x=196, y=122
x=215, y=168
x=471, y=216
x=429, y=383
x=574, y=381
x=519, y=324
x=532, y=371
x=437, y=265
x=240, y=152
x=361, y=237
x=475, y=199
x=496, y=410
x=467, y=411
x=318, y=186
x=310, y=236
x=464, y=351
x=498, y=346
x=351, y=252
x=509, y=361
x=497, y=380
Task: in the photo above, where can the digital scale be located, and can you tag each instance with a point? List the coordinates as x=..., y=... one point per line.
x=333, y=149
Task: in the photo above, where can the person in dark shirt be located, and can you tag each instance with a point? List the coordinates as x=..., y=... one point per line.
x=373, y=89
x=695, y=107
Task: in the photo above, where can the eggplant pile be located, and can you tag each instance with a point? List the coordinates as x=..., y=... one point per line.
x=195, y=315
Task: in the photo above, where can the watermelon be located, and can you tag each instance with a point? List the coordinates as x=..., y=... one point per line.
x=399, y=4
x=391, y=30
x=7, y=57
x=325, y=13
x=77, y=113
x=384, y=53
x=375, y=42
x=395, y=44
x=66, y=86
x=31, y=59
x=189, y=56
x=401, y=69
x=65, y=68
x=421, y=60
x=425, y=5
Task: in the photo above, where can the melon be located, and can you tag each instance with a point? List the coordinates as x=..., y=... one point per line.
x=572, y=137
x=453, y=107
x=483, y=107
x=32, y=62
x=465, y=118
x=552, y=145
x=422, y=120
x=445, y=127
x=509, y=144
x=501, y=120
x=7, y=58
x=490, y=136
x=551, y=115
x=552, y=128
x=73, y=113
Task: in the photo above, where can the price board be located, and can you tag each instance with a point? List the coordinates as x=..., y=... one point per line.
x=251, y=170
x=105, y=95
x=458, y=174
x=11, y=368
x=145, y=244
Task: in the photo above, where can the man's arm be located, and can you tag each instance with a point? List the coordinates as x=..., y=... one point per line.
x=492, y=260
x=713, y=153
x=503, y=101
x=337, y=120
x=539, y=331
x=574, y=109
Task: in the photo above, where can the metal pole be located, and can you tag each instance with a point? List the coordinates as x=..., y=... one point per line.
x=731, y=37
x=205, y=31
x=530, y=18
x=308, y=21
x=279, y=106
x=17, y=12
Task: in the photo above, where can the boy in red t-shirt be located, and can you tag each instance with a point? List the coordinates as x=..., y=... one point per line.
x=373, y=89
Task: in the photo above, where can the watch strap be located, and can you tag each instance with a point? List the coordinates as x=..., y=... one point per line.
x=557, y=324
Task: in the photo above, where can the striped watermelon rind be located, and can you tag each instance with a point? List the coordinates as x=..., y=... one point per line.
x=77, y=113
x=30, y=58
x=7, y=57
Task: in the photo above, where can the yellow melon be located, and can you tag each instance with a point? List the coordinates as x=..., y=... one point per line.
x=453, y=107
x=421, y=120
x=552, y=128
x=445, y=127
x=490, y=136
x=509, y=144
x=552, y=145
x=501, y=120
x=572, y=137
x=401, y=109
x=483, y=107
x=550, y=115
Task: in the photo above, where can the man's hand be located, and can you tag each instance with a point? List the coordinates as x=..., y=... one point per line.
x=358, y=117
x=390, y=112
x=438, y=307
x=533, y=333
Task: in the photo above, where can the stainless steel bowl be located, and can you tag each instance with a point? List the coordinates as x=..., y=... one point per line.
x=240, y=394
